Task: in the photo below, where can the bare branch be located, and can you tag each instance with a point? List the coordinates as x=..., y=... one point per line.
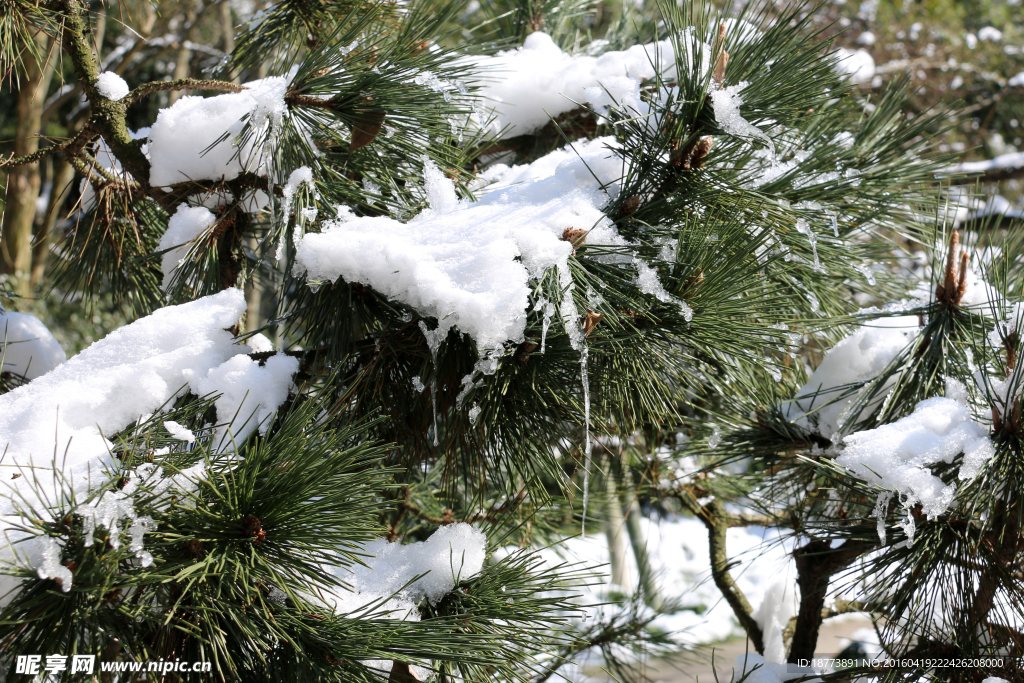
x=180, y=84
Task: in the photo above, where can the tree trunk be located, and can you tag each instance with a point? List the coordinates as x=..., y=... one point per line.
x=23, y=181
x=62, y=177
x=613, y=529
x=643, y=564
x=184, y=56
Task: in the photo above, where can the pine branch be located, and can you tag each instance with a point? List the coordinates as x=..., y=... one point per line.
x=71, y=144
x=180, y=84
x=714, y=518
x=816, y=563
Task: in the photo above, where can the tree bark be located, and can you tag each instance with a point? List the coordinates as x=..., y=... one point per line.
x=652, y=598
x=63, y=175
x=614, y=531
x=816, y=563
x=23, y=182
x=184, y=56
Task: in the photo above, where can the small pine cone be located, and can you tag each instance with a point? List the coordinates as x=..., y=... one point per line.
x=701, y=151
x=524, y=351
x=629, y=206
x=252, y=527
x=575, y=236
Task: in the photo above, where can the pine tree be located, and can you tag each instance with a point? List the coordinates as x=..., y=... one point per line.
x=423, y=288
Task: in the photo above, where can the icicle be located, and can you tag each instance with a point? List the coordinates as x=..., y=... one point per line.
x=549, y=310
x=881, y=505
x=577, y=339
x=434, y=339
x=813, y=239
x=835, y=226
x=433, y=402
x=715, y=438
x=586, y=427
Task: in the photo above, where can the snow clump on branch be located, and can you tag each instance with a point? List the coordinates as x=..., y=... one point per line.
x=54, y=429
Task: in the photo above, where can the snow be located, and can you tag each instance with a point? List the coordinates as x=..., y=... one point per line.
x=867, y=38
x=27, y=348
x=187, y=224
x=897, y=455
x=858, y=358
x=995, y=679
x=179, y=432
x=49, y=566
x=453, y=553
x=249, y=395
x=259, y=343
x=1016, y=81
x=111, y=86
x=726, y=103
x=990, y=34
x=299, y=177
x=679, y=556
x=468, y=264
x=1003, y=161
x=524, y=88
x=132, y=371
x=56, y=427
x=182, y=133
x=773, y=615
x=857, y=65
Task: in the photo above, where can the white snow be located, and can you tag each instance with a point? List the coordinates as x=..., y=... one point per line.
x=897, y=455
x=526, y=87
x=111, y=86
x=857, y=65
x=187, y=224
x=179, y=432
x=27, y=348
x=49, y=566
x=857, y=358
x=990, y=34
x=250, y=394
x=453, y=553
x=1016, y=81
x=54, y=429
x=678, y=552
x=1003, y=161
x=469, y=264
x=182, y=133
x=867, y=38
x=259, y=343
x=726, y=103
x=773, y=615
